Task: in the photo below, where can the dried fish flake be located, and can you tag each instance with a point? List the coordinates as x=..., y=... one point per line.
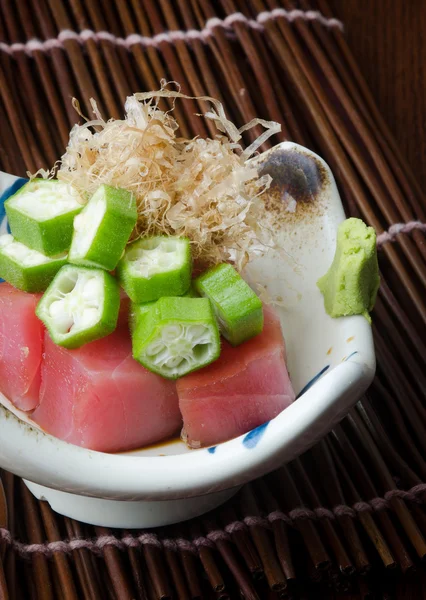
x=204, y=189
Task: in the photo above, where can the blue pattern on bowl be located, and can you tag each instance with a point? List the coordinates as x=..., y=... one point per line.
x=16, y=185
x=253, y=437
x=312, y=381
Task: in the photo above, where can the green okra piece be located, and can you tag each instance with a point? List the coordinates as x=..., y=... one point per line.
x=136, y=310
x=80, y=305
x=27, y=269
x=154, y=267
x=237, y=308
x=175, y=336
x=102, y=229
x=41, y=215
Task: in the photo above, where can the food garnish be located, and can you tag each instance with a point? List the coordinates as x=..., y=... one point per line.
x=27, y=269
x=80, y=305
x=154, y=267
x=41, y=215
x=202, y=189
x=175, y=336
x=238, y=310
x=351, y=284
x=103, y=228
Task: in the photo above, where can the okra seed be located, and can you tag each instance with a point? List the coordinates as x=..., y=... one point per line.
x=171, y=332
x=174, y=361
x=92, y=289
x=196, y=331
x=63, y=323
x=155, y=348
x=56, y=308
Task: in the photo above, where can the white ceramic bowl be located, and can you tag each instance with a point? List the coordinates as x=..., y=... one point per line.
x=331, y=363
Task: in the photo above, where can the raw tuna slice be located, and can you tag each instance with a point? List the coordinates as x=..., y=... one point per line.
x=21, y=347
x=247, y=386
x=100, y=398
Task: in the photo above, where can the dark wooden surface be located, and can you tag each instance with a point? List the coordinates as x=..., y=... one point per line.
x=388, y=38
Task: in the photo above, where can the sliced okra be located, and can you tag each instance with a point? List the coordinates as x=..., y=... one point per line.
x=238, y=310
x=27, y=269
x=136, y=310
x=80, y=305
x=154, y=267
x=41, y=215
x=102, y=229
x=175, y=336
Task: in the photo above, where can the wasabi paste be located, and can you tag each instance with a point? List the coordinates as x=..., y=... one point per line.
x=350, y=285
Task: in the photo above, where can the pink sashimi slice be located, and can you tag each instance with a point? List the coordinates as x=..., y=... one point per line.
x=100, y=398
x=246, y=387
x=21, y=347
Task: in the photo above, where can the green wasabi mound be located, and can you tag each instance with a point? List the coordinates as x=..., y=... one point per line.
x=350, y=285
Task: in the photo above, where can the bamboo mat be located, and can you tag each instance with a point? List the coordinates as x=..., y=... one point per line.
x=351, y=507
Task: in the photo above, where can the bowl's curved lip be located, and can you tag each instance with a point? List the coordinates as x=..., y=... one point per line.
x=46, y=460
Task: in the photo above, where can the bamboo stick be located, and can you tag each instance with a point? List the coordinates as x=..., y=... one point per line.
x=271, y=566
x=154, y=562
x=387, y=140
x=44, y=71
x=397, y=504
x=35, y=533
x=185, y=58
x=222, y=49
x=207, y=559
x=10, y=562
x=365, y=518
x=369, y=491
x=66, y=84
x=290, y=496
x=85, y=568
x=87, y=87
x=176, y=573
x=120, y=83
x=279, y=529
x=28, y=89
x=135, y=559
x=243, y=542
x=60, y=560
x=3, y=519
x=333, y=490
x=113, y=562
x=343, y=560
x=226, y=550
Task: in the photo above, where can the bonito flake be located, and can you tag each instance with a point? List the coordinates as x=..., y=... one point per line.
x=204, y=189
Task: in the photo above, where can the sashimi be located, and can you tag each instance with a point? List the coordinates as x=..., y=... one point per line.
x=245, y=387
x=99, y=397
x=21, y=347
